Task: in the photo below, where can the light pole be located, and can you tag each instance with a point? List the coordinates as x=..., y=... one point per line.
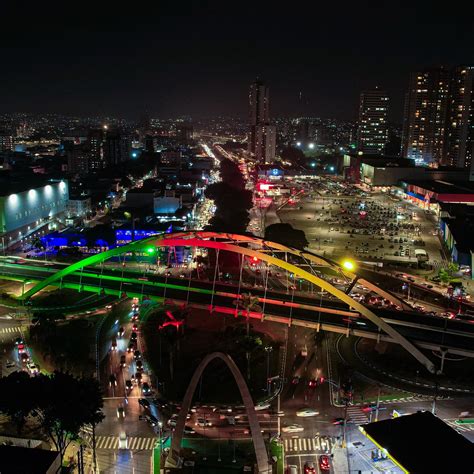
x=268, y=350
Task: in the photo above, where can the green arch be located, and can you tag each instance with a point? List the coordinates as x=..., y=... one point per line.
x=198, y=239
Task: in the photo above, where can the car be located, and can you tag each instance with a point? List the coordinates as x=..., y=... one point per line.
x=309, y=468
x=292, y=428
x=338, y=421
x=24, y=357
x=152, y=420
x=133, y=336
x=292, y=469
x=19, y=340
x=135, y=327
x=120, y=411
x=324, y=464
x=189, y=430
x=21, y=348
x=144, y=403
x=10, y=364
x=138, y=378
x=128, y=384
x=146, y=389
x=306, y=412
x=135, y=317
x=112, y=380
x=123, y=361
x=295, y=380
x=32, y=368
x=137, y=355
x=123, y=443
x=173, y=420
x=131, y=347
x=202, y=422
x=114, y=345
x=121, y=332
x=139, y=365
x=314, y=382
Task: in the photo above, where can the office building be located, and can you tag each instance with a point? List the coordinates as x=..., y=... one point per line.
x=460, y=121
x=262, y=135
x=424, y=123
x=372, y=127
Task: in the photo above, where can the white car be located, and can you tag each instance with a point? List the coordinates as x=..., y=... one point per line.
x=305, y=412
x=292, y=429
x=123, y=442
x=32, y=368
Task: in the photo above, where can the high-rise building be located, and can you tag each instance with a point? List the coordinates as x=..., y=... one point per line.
x=7, y=141
x=116, y=147
x=96, y=149
x=459, y=141
x=184, y=133
x=262, y=135
x=78, y=158
x=425, y=116
x=372, y=127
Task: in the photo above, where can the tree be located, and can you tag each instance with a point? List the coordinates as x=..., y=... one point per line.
x=65, y=404
x=249, y=303
x=285, y=234
x=16, y=400
x=233, y=202
x=293, y=155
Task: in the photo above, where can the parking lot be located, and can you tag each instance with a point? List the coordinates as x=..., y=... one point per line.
x=341, y=221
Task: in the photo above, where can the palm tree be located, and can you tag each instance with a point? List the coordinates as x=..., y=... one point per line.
x=250, y=303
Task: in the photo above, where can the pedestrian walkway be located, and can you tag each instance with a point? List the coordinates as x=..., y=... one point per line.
x=323, y=444
x=357, y=416
x=11, y=330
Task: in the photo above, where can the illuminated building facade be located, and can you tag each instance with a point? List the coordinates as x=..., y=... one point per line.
x=27, y=210
x=460, y=123
x=372, y=134
x=424, y=121
x=262, y=135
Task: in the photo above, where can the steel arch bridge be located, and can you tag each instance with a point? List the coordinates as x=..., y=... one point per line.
x=268, y=252
x=257, y=438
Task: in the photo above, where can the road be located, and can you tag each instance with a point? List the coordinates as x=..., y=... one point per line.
x=423, y=329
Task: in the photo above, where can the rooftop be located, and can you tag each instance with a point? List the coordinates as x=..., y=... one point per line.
x=444, y=187
x=15, y=185
x=19, y=460
x=423, y=443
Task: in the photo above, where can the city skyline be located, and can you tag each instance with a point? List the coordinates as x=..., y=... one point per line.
x=200, y=64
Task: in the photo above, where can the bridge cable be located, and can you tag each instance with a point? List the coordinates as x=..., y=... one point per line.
x=214, y=282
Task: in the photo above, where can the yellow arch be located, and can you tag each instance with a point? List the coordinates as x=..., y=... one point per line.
x=201, y=239
x=257, y=438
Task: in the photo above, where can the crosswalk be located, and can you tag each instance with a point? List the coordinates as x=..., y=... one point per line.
x=134, y=443
x=11, y=330
x=318, y=443
x=460, y=428
x=357, y=416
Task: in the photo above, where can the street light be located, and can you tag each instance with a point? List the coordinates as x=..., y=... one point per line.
x=349, y=265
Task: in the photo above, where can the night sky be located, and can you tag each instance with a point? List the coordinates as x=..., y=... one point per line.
x=198, y=59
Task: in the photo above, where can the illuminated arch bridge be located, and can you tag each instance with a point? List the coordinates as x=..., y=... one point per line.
x=302, y=264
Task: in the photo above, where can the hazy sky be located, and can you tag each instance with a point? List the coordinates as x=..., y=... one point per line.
x=198, y=58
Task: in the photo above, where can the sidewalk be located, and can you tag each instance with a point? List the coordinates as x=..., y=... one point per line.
x=339, y=461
